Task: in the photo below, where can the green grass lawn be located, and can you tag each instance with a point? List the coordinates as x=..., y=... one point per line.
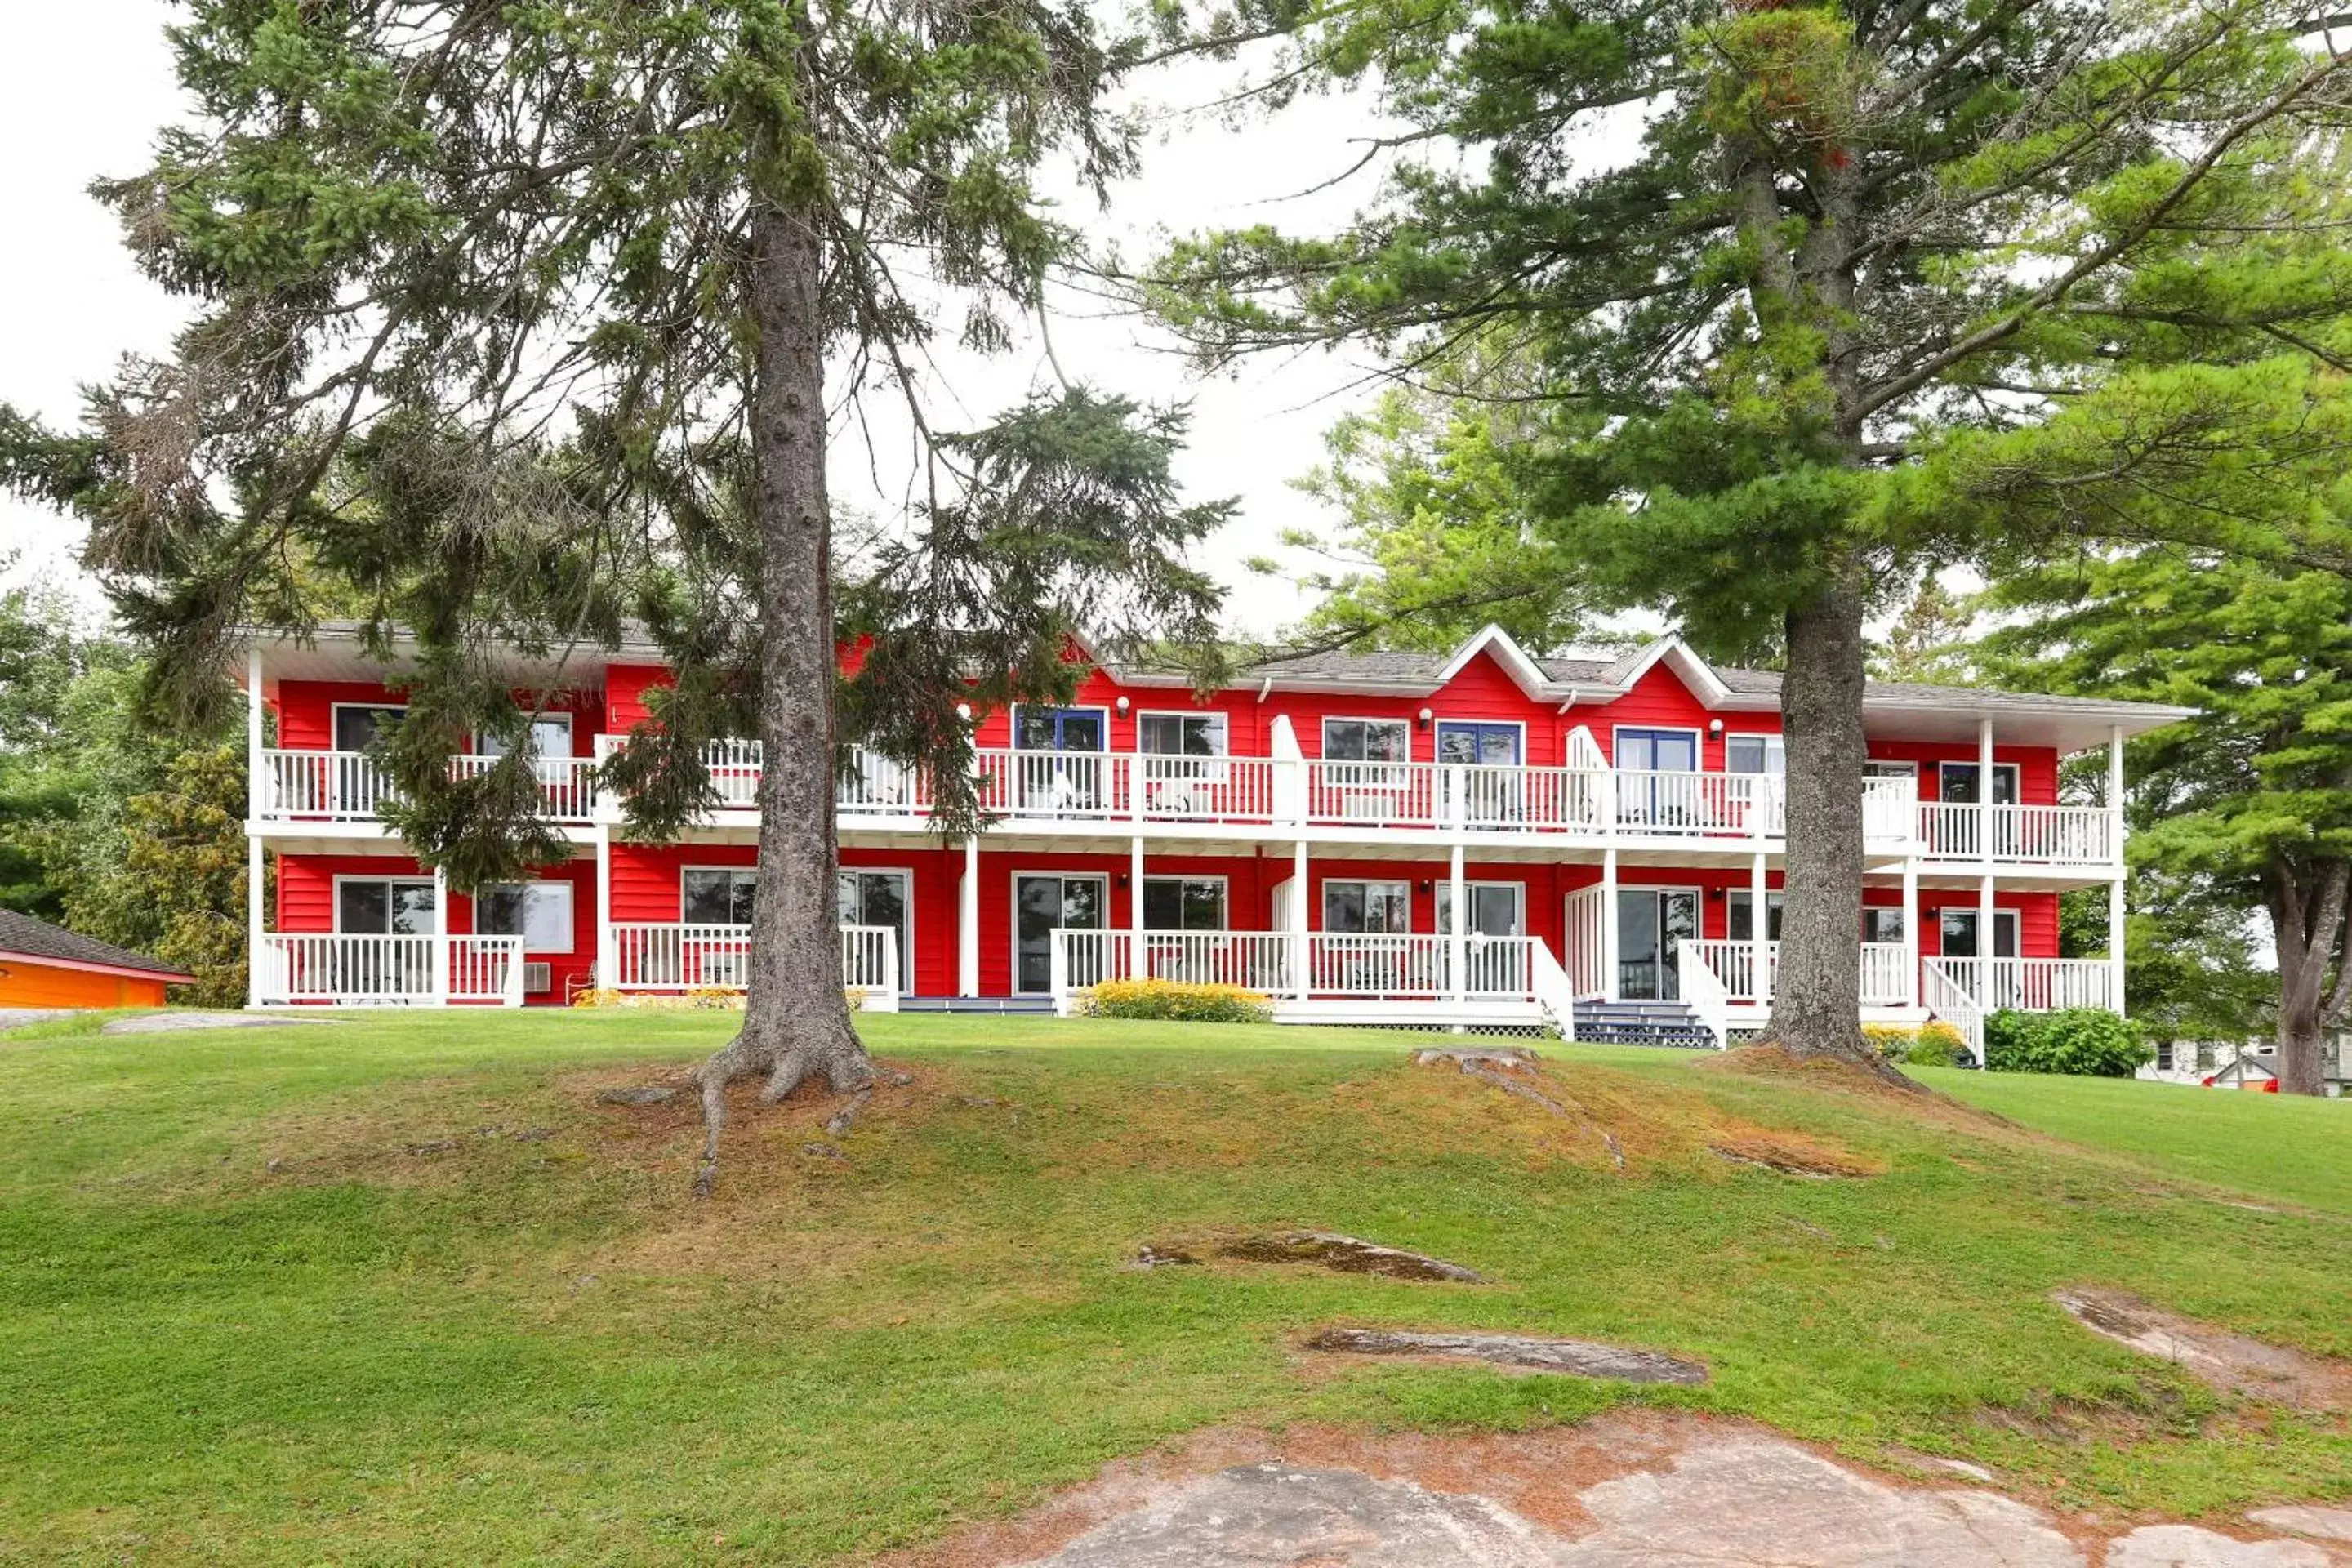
x=400, y=1289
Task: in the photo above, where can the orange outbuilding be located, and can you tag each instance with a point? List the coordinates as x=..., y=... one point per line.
x=42, y=966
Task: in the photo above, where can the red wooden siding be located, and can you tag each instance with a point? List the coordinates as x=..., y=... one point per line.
x=306, y=902
x=306, y=716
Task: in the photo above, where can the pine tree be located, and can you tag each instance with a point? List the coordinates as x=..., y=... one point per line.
x=1845, y=232
x=2248, y=805
x=518, y=320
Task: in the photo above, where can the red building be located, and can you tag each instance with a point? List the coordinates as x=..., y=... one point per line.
x=1609, y=827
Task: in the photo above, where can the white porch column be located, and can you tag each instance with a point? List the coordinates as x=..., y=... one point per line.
x=1302, y=976
x=1457, y=938
x=253, y=793
x=1759, y=924
x=1986, y=946
x=1984, y=792
x=440, y=935
x=1609, y=933
x=254, y=957
x=1911, y=933
x=2116, y=920
x=608, y=951
x=1136, y=966
x=968, y=923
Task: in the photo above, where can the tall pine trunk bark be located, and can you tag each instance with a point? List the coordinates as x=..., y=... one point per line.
x=796, y=1018
x=2308, y=921
x=1817, y=997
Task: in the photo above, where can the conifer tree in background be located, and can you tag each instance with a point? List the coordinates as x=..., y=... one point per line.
x=2248, y=806
x=518, y=318
x=1764, y=255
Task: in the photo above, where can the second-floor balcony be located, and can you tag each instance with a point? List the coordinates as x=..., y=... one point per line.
x=352, y=786
x=1084, y=792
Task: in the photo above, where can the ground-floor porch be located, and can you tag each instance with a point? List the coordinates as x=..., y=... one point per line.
x=1330, y=937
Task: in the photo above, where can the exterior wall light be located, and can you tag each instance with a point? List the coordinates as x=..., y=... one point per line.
x=1424, y=716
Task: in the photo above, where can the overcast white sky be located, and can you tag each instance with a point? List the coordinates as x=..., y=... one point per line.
x=85, y=85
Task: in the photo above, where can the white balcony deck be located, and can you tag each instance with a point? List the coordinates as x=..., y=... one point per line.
x=351, y=787
x=1730, y=984
x=1327, y=977
x=1078, y=794
x=334, y=970
x=667, y=956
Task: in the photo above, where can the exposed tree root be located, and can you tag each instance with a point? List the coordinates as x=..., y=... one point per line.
x=790, y=1055
x=1865, y=1061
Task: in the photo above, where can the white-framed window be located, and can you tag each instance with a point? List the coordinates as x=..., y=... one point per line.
x=1367, y=741
x=717, y=895
x=1956, y=785
x=1497, y=908
x=1184, y=903
x=1957, y=932
x=1181, y=734
x=1882, y=923
x=1354, y=908
x=1740, y=915
x=539, y=912
x=1754, y=754
x=550, y=736
x=1888, y=768
x=357, y=725
x=386, y=906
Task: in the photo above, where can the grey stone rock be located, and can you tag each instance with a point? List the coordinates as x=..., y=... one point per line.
x=2327, y=1523
x=2186, y=1546
x=1261, y=1516
x=1577, y=1358
x=1757, y=1500
x=1347, y=1254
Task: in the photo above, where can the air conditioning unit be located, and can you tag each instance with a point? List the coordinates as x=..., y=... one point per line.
x=535, y=977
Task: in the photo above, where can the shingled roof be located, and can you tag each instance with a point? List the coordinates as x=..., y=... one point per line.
x=23, y=937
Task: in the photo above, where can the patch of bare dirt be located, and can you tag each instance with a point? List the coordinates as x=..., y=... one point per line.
x=1792, y=1154
x=2230, y=1361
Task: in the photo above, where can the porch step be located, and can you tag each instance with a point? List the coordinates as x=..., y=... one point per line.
x=1642, y=1024
x=1022, y=1005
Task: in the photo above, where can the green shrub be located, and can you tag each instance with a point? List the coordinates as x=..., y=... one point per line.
x=2087, y=1042
x=1938, y=1045
x=1175, y=1001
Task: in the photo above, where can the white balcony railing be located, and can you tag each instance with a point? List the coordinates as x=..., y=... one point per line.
x=1318, y=965
x=2030, y=985
x=2059, y=835
x=324, y=787
x=567, y=785
x=351, y=787
x=1747, y=971
x=660, y=955
x=388, y=971
x=1119, y=787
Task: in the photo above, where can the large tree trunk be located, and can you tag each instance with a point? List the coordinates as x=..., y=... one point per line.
x=796, y=1020
x=2308, y=916
x=1817, y=998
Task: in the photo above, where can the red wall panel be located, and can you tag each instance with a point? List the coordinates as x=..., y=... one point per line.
x=306, y=902
x=306, y=711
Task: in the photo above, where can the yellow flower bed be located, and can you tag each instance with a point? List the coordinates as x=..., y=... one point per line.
x=1175, y=1001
